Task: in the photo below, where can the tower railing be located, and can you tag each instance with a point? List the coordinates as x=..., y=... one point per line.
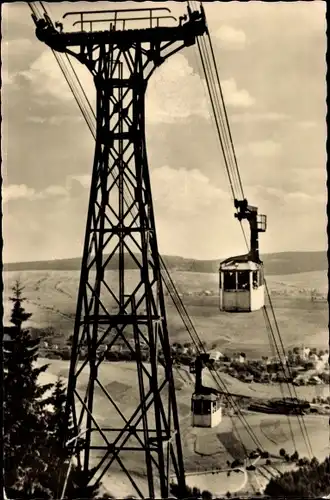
x=118, y=16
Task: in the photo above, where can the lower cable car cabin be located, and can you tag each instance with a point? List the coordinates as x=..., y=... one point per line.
x=206, y=410
x=241, y=283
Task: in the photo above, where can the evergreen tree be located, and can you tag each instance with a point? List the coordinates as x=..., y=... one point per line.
x=24, y=406
x=36, y=460
x=59, y=455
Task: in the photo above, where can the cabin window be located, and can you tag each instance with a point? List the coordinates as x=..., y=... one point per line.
x=261, y=277
x=255, y=279
x=207, y=407
x=229, y=280
x=262, y=222
x=217, y=405
x=197, y=407
x=243, y=280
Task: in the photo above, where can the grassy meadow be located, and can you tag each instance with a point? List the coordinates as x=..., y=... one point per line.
x=51, y=297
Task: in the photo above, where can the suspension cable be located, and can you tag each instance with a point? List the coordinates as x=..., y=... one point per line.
x=225, y=111
x=174, y=295
x=209, y=76
x=183, y=313
x=219, y=116
x=217, y=124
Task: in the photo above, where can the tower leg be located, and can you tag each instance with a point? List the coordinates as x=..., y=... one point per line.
x=131, y=421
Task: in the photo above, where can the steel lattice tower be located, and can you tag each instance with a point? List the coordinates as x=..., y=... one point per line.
x=111, y=308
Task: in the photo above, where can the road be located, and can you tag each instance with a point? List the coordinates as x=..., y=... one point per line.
x=199, y=475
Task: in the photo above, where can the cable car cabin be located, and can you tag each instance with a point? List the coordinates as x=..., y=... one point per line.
x=206, y=410
x=241, y=283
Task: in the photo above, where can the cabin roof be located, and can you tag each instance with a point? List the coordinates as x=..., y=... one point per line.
x=207, y=397
x=239, y=262
x=240, y=266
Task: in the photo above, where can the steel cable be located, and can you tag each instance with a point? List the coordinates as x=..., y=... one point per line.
x=207, y=73
x=88, y=121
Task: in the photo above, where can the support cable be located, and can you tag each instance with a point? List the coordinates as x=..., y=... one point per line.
x=177, y=303
x=208, y=75
x=225, y=112
x=219, y=115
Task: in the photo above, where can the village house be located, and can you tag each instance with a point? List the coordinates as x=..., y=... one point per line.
x=304, y=353
x=325, y=358
x=239, y=358
x=192, y=350
x=265, y=377
x=216, y=355
x=248, y=377
x=314, y=380
x=117, y=348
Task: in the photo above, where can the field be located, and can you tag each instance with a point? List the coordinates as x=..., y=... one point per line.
x=51, y=297
x=204, y=449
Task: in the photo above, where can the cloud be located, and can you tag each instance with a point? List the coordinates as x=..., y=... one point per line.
x=230, y=37
x=305, y=197
x=36, y=119
x=17, y=46
x=84, y=180
x=184, y=191
x=307, y=124
x=264, y=148
x=175, y=92
x=291, y=200
x=54, y=120
x=17, y=191
x=6, y=78
x=194, y=217
x=180, y=190
x=236, y=97
x=54, y=191
x=249, y=117
x=47, y=78
x=15, y=54
x=22, y=191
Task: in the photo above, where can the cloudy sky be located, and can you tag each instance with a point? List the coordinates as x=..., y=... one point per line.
x=271, y=60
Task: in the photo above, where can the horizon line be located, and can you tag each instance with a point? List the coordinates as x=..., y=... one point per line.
x=163, y=255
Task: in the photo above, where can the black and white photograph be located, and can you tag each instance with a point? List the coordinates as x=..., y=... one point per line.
x=165, y=327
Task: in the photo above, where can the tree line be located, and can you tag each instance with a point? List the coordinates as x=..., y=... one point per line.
x=311, y=480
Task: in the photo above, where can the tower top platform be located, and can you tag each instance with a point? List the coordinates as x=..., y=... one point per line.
x=187, y=29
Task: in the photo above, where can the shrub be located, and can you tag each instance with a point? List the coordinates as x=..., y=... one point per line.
x=309, y=482
x=207, y=495
x=303, y=461
x=187, y=493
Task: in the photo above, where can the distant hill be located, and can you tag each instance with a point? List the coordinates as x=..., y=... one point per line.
x=275, y=264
